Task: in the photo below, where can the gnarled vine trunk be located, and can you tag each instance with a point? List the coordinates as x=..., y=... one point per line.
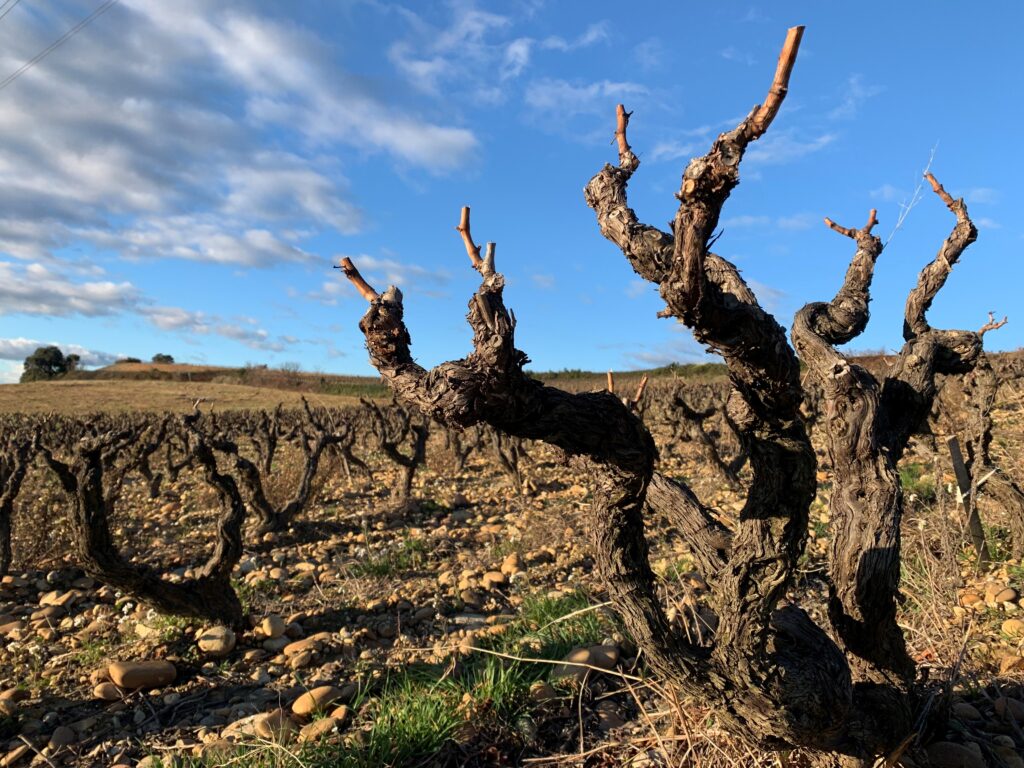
x=774, y=675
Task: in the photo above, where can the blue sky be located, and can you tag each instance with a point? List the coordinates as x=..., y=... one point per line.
x=180, y=177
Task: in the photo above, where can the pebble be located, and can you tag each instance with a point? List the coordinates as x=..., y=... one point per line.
x=106, y=692
x=142, y=674
x=604, y=657
x=948, y=754
x=493, y=579
x=62, y=736
x=275, y=726
x=316, y=700
x=1013, y=707
x=217, y=642
x=1013, y=627
x=318, y=729
x=273, y=626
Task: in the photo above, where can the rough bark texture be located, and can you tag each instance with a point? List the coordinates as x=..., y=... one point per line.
x=15, y=458
x=774, y=676
x=91, y=479
x=314, y=435
x=392, y=429
x=966, y=412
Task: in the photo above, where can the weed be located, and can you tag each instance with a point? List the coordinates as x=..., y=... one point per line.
x=917, y=482
x=409, y=554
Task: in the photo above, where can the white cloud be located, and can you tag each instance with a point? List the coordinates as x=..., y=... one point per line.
x=734, y=54
x=649, y=54
x=193, y=323
x=517, y=57
x=198, y=238
x=20, y=348
x=785, y=147
x=987, y=223
x=797, y=221
x=887, y=193
x=746, y=220
x=683, y=349
x=768, y=297
x=595, y=33
x=10, y=373
x=189, y=133
x=569, y=99
x=637, y=288
x=675, y=150
x=35, y=289
x=393, y=272
x=981, y=195
x=542, y=281
x=472, y=48
x=854, y=95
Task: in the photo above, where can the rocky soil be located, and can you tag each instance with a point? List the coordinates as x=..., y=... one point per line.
x=359, y=592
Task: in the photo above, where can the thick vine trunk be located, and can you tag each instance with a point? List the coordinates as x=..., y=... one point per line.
x=13, y=466
x=773, y=675
x=209, y=595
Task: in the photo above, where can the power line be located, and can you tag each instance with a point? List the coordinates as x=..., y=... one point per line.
x=7, y=7
x=54, y=45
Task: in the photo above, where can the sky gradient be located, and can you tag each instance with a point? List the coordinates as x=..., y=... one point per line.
x=180, y=177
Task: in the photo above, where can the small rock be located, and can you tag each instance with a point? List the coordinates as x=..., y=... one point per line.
x=273, y=626
x=967, y=712
x=142, y=674
x=512, y=565
x=1012, y=707
x=1008, y=595
x=541, y=692
x=317, y=729
x=217, y=642
x=493, y=579
x=967, y=599
x=1013, y=627
x=580, y=660
x=275, y=725
x=316, y=700
x=1011, y=662
x=62, y=736
x=106, y=692
x=948, y=754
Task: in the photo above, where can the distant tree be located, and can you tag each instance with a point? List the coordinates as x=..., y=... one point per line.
x=45, y=363
x=71, y=362
x=160, y=357
x=129, y=360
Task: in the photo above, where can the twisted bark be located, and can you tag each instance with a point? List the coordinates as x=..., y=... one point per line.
x=775, y=676
x=91, y=480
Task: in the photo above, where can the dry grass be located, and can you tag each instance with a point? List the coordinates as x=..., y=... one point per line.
x=164, y=367
x=118, y=396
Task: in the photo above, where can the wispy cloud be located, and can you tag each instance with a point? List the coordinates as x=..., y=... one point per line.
x=675, y=150
x=887, y=193
x=20, y=348
x=35, y=289
x=543, y=281
x=474, y=48
x=732, y=53
x=190, y=134
x=981, y=195
x=793, y=222
x=650, y=54
x=191, y=323
x=578, y=98
x=786, y=146
x=854, y=95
